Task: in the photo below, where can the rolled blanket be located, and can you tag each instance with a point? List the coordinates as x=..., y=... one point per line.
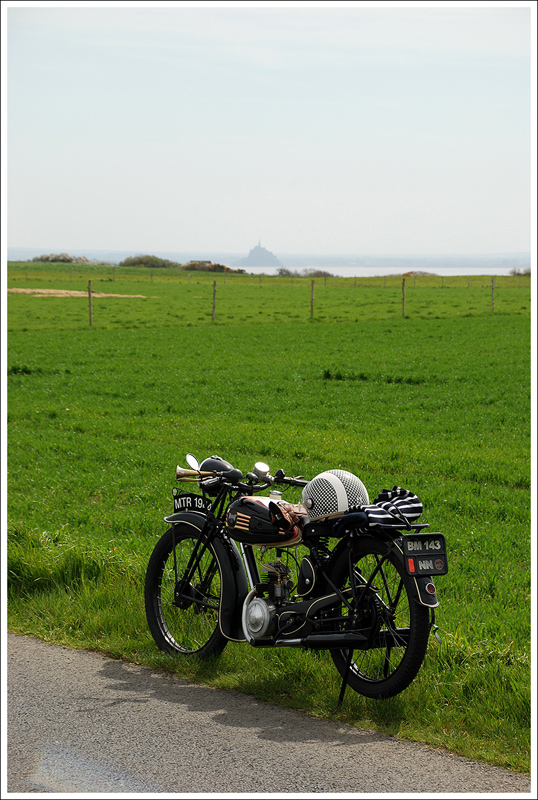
x=392, y=508
x=405, y=501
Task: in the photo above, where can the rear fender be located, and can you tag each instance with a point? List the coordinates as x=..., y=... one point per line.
x=427, y=593
x=424, y=591
x=234, y=580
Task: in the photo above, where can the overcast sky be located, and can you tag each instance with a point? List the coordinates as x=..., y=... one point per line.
x=354, y=129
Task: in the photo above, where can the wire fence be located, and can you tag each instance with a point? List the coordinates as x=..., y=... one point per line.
x=225, y=297
x=39, y=271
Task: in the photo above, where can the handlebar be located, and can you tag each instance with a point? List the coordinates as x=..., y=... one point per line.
x=234, y=478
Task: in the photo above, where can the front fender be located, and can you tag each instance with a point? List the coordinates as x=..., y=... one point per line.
x=234, y=580
x=190, y=517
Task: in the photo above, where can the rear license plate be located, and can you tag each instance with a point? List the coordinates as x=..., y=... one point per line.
x=188, y=501
x=425, y=554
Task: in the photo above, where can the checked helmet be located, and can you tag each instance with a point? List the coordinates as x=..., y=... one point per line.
x=331, y=493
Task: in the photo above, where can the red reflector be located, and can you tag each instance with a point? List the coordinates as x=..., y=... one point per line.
x=411, y=564
x=430, y=588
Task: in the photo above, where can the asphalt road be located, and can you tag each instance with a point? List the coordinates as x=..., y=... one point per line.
x=82, y=723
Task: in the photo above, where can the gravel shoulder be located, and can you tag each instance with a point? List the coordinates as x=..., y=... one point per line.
x=79, y=722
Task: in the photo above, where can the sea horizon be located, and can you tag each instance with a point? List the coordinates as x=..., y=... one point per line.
x=343, y=265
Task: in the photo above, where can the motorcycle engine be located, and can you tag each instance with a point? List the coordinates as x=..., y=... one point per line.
x=278, y=582
x=260, y=615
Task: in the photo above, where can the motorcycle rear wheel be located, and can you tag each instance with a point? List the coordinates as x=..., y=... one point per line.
x=398, y=624
x=183, y=611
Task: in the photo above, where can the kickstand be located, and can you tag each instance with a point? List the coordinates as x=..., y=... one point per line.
x=344, y=680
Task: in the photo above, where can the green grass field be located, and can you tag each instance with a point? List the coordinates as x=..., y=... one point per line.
x=437, y=401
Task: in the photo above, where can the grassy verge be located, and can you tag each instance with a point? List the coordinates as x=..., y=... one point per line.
x=437, y=402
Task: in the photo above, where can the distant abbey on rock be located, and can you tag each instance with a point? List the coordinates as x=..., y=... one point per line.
x=259, y=257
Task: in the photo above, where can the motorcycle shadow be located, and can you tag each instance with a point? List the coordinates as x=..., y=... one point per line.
x=187, y=703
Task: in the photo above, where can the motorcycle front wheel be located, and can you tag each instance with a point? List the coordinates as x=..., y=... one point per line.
x=182, y=608
x=387, y=613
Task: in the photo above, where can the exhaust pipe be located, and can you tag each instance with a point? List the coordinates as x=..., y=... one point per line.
x=318, y=641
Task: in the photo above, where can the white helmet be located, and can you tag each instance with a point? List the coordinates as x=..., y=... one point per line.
x=331, y=493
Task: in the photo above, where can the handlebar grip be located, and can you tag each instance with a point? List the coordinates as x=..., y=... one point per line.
x=234, y=476
x=298, y=482
x=280, y=477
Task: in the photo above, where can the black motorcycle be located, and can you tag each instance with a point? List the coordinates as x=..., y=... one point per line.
x=342, y=574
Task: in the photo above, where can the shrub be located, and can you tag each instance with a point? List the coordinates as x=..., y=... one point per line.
x=148, y=261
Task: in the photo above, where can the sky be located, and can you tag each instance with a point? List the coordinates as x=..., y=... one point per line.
x=364, y=128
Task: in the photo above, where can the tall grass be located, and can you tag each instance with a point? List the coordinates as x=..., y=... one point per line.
x=437, y=402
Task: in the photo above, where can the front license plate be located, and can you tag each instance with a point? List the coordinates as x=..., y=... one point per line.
x=188, y=501
x=425, y=554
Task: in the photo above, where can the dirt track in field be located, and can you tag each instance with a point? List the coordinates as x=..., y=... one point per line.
x=69, y=293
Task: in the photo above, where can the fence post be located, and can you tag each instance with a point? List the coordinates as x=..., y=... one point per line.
x=214, y=300
x=403, y=298
x=312, y=300
x=492, y=291
x=90, y=302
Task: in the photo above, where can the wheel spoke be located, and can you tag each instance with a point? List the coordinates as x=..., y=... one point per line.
x=387, y=662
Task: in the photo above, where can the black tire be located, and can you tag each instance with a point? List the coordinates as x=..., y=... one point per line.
x=189, y=623
x=389, y=614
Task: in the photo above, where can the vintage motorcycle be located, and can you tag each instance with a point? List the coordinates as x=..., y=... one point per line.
x=347, y=575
